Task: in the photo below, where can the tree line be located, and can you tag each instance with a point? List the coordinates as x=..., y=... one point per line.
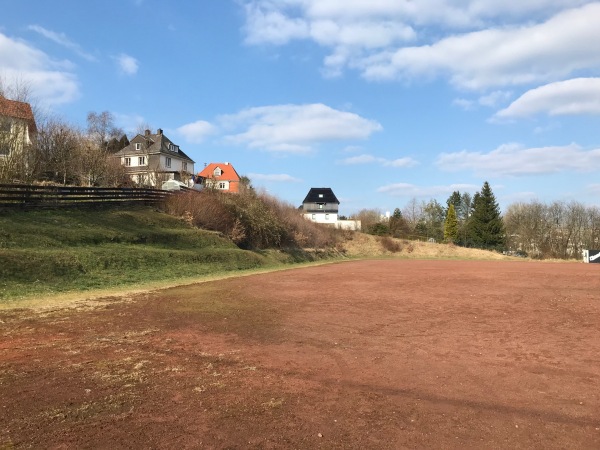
x=556, y=230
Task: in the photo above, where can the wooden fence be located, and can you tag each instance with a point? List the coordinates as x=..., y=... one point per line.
x=34, y=197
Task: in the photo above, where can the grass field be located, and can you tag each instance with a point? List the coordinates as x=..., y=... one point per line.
x=46, y=252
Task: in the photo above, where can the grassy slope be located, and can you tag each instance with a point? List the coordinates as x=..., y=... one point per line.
x=44, y=252
x=49, y=252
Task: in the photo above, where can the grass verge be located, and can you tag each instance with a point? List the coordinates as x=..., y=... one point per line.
x=43, y=253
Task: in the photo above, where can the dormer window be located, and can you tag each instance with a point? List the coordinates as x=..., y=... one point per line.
x=320, y=195
x=173, y=148
x=217, y=172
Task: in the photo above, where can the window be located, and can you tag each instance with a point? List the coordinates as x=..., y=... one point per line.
x=184, y=166
x=314, y=216
x=320, y=195
x=321, y=205
x=127, y=162
x=168, y=162
x=138, y=146
x=222, y=185
x=326, y=216
x=217, y=172
x=142, y=161
x=173, y=147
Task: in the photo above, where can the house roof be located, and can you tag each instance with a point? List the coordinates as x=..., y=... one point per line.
x=228, y=173
x=321, y=195
x=17, y=110
x=152, y=144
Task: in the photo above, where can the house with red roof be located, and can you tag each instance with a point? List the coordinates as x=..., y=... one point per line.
x=220, y=176
x=17, y=126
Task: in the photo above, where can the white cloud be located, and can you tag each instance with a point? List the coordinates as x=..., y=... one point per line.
x=368, y=159
x=295, y=128
x=401, y=162
x=514, y=159
x=62, y=39
x=197, y=132
x=411, y=190
x=359, y=159
x=494, y=98
x=264, y=25
x=278, y=178
x=477, y=43
x=576, y=96
x=464, y=103
x=500, y=56
x=128, y=64
x=51, y=81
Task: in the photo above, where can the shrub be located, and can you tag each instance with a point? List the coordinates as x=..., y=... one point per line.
x=253, y=220
x=390, y=244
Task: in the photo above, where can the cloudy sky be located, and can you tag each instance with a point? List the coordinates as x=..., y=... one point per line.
x=381, y=100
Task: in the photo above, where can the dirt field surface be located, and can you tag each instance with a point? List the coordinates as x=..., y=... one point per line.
x=364, y=354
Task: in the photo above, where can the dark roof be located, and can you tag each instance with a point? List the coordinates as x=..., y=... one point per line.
x=152, y=144
x=320, y=195
x=17, y=110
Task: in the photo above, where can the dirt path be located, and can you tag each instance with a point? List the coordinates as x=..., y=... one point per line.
x=370, y=354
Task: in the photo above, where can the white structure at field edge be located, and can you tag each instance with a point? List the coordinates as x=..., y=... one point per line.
x=321, y=206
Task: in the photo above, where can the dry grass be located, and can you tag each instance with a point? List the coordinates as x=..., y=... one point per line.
x=367, y=246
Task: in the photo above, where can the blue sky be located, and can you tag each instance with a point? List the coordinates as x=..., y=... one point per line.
x=381, y=100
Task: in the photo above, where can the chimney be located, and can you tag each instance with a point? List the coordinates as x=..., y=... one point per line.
x=147, y=133
x=226, y=163
x=159, y=131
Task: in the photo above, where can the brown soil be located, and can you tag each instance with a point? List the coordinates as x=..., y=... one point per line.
x=365, y=354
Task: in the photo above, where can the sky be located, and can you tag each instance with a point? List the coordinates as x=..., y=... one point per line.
x=384, y=101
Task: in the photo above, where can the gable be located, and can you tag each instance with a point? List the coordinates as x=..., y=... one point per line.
x=227, y=172
x=17, y=110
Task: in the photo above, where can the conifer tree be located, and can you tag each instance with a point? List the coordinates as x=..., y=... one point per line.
x=485, y=228
x=451, y=225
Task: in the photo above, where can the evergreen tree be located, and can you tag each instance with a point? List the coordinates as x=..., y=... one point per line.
x=455, y=199
x=398, y=225
x=485, y=227
x=451, y=225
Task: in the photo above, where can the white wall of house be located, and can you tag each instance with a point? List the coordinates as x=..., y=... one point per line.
x=330, y=218
x=354, y=225
x=134, y=161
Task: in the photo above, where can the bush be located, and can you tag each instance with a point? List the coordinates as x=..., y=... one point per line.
x=390, y=244
x=252, y=220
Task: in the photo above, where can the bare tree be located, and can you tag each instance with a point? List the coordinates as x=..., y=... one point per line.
x=101, y=128
x=413, y=212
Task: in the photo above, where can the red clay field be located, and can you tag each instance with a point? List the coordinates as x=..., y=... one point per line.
x=367, y=354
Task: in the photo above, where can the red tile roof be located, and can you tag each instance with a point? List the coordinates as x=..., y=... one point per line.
x=228, y=173
x=17, y=110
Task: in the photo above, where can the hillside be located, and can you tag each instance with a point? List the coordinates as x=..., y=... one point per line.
x=45, y=253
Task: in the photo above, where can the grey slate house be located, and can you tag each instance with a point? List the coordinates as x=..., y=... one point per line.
x=151, y=159
x=321, y=205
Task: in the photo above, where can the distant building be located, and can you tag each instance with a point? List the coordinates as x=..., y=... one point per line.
x=17, y=126
x=151, y=159
x=220, y=176
x=321, y=205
